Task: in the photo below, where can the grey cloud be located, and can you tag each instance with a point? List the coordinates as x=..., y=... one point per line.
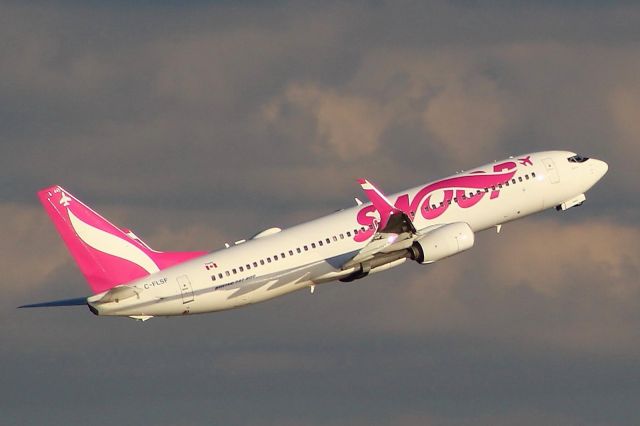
x=26, y=245
x=349, y=126
x=178, y=92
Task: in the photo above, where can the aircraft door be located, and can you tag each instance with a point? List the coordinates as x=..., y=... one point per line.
x=185, y=289
x=551, y=170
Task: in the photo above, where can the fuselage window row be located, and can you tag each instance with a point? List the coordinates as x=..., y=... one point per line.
x=478, y=192
x=291, y=253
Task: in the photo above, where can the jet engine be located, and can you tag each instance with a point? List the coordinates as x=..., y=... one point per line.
x=442, y=242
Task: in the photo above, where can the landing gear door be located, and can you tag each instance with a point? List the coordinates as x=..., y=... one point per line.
x=551, y=170
x=185, y=289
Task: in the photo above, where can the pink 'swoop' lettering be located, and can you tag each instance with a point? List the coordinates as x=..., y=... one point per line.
x=369, y=217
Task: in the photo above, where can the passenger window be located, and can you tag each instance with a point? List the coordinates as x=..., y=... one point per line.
x=234, y=271
x=275, y=257
x=342, y=236
x=533, y=174
x=262, y=261
x=248, y=266
x=227, y=273
x=268, y=260
x=313, y=245
x=500, y=185
x=486, y=190
x=290, y=252
x=513, y=181
x=335, y=238
x=220, y=275
x=298, y=250
x=255, y=264
x=306, y=248
x=328, y=241
x=213, y=277
x=520, y=178
x=241, y=269
x=348, y=233
x=526, y=176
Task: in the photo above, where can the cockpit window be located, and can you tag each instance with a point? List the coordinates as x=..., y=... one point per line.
x=577, y=159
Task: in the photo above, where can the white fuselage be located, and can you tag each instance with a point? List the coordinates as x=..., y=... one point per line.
x=316, y=252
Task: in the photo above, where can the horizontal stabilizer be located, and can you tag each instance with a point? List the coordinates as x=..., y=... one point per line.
x=78, y=301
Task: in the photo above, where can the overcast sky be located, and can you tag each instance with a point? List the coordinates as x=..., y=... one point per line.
x=196, y=123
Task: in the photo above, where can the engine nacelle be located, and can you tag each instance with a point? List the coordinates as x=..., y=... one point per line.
x=443, y=242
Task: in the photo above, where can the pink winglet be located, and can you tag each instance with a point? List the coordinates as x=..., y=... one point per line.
x=379, y=201
x=106, y=255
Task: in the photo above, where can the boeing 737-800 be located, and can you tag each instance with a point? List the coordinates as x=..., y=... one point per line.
x=425, y=224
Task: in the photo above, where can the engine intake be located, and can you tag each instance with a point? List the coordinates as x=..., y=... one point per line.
x=443, y=242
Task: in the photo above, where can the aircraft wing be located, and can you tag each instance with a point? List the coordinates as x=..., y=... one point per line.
x=392, y=219
x=395, y=231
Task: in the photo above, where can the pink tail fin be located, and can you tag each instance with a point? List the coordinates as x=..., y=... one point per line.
x=107, y=255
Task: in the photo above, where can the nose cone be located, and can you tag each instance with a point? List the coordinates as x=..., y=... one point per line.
x=599, y=168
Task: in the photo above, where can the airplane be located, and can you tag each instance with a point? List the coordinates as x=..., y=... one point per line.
x=425, y=224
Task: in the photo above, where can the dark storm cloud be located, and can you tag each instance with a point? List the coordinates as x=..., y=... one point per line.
x=196, y=124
